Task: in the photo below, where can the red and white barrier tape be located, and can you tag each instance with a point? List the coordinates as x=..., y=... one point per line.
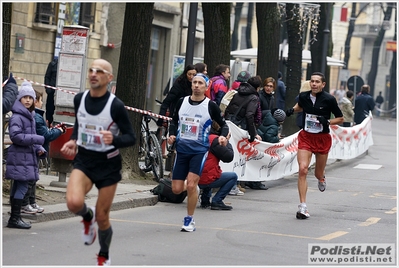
x=5, y=82
x=74, y=93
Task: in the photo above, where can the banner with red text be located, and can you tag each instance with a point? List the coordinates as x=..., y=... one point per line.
x=262, y=161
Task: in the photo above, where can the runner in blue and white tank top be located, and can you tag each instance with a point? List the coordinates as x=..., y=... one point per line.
x=190, y=128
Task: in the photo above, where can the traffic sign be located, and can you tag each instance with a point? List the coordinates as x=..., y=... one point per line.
x=355, y=83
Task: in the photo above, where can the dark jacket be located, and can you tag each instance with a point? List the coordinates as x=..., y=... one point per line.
x=248, y=96
x=324, y=105
x=268, y=130
x=363, y=104
x=50, y=78
x=10, y=92
x=49, y=134
x=280, y=95
x=22, y=155
x=267, y=102
x=217, y=152
x=180, y=89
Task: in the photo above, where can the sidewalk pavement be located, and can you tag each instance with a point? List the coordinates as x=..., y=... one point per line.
x=127, y=195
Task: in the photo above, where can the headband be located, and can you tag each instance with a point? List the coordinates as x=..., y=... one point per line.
x=206, y=79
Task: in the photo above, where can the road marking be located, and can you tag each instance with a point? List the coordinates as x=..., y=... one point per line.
x=368, y=166
x=370, y=221
x=384, y=196
x=326, y=237
x=332, y=235
x=392, y=211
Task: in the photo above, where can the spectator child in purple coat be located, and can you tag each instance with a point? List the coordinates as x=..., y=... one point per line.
x=23, y=154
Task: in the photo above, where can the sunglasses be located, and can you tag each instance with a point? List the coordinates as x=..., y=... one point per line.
x=99, y=71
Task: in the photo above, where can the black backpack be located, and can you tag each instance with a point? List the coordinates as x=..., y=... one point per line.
x=165, y=194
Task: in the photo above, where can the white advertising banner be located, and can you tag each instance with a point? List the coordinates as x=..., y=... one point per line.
x=262, y=161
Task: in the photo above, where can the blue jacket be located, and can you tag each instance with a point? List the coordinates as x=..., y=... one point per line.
x=49, y=134
x=363, y=104
x=22, y=155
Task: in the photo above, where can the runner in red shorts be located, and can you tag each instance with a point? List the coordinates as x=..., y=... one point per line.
x=317, y=106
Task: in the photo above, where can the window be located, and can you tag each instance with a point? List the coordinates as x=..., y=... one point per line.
x=86, y=17
x=45, y=13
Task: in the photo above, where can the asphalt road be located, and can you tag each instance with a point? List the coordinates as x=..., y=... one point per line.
x=358, y=206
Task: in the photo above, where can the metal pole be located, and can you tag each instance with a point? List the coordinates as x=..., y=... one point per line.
x=325, y=40
x=192, y=25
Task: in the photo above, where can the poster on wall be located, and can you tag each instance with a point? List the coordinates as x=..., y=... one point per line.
x=70, y=70
x=178, y=66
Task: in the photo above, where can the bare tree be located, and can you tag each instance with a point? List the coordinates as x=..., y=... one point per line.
x=294, y=62
x=316, y=48
x=237, y=17
x=216, y=34
x=377, y=46
x=248, y=30
x=7, y=11
x=132, y=73
x=392, y=81
x=351, y=29
x=268, y=24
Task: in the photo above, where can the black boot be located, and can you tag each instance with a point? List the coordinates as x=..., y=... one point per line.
x=15, y=220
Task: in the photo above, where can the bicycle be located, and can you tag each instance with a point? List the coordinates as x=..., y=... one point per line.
x=149, y=150
x=167, y=148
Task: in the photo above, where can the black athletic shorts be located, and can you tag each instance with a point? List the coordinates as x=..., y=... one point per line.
x=100, y=170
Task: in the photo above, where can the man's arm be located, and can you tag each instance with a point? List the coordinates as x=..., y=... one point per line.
x=10, y=93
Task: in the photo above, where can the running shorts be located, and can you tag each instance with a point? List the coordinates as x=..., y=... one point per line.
x=314, y=142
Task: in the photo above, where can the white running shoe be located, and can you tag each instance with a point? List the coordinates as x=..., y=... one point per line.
x=236, y=191
x=302, y=213
x=189, y=224
x=89, y=231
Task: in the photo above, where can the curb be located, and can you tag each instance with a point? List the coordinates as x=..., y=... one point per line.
x=60, y=211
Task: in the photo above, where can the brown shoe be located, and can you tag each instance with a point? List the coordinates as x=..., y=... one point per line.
x=242, y=189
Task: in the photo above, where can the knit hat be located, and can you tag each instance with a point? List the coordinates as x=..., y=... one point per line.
x=243, y=76
x=26, y=89
x=279, y=115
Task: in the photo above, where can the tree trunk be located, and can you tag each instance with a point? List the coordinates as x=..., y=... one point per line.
x=7, y=13
x=351, y=29
x=132, y=73
x=294, y=62
x=376, y=50
x=237, y=17
x=216, y=34
x=248, y=30
x=316, y=48
x=392, y=81
x=268, y=24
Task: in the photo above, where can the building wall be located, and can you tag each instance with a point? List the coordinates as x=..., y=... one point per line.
x=39, y=44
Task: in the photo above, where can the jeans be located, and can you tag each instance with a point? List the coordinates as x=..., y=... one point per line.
x=225, y=183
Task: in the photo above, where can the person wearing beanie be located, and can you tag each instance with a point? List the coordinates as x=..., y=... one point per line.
x=269, y=129
x=10, y=92
x=29, y=205
x=22, y=156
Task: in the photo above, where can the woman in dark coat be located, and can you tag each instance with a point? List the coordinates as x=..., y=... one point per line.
x=266, y=95
x=180, y=88
x=23, y=153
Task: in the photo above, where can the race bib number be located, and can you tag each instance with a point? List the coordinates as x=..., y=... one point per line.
x=189, y=128
x=91, y=136
x=312, y=125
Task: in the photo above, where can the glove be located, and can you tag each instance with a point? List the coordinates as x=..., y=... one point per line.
x=11, y=79
x=289, y=112
x=323, y=121
x=160, y=122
